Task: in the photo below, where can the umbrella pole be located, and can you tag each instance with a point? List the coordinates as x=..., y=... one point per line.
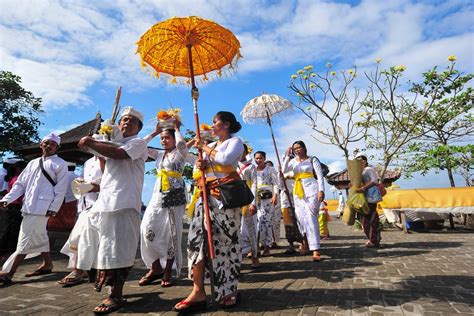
x=204, y=192
x=287, y=192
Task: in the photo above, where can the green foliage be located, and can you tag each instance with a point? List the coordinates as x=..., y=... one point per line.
x=446, y=127
x=19, y=111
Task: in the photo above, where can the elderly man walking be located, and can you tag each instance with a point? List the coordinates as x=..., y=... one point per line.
x=44, y=184
x=109, y=242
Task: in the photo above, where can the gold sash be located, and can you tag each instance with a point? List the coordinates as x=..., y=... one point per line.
x=298, y=188
x=165, y=175
x=197, y=174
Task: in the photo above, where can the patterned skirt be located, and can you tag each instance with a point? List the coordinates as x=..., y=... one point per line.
x=225, y=236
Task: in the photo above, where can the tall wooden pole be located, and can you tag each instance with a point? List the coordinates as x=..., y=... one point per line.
x=195, y=96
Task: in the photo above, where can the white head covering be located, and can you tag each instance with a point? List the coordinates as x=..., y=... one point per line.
x=12, y=161
x=51, y=136
x=128, y=110
x=360, y=155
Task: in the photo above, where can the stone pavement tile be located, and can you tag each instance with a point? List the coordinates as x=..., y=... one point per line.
x=386, y=310
x=407, y=272
x=440, y=308
x=463, y=308
x=411, y=309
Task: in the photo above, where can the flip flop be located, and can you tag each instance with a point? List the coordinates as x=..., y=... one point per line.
x=39, y=272
x=147, y=280
x=166, y=283
x=114, y=305
x=231, y=298
x=5, y=281
x=190, y=307
x=72, y=279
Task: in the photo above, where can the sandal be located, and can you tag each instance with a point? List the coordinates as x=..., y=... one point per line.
x=316, y=256
x=5, y=280
x=148, y=279
x=39, y=271
x=73, y=278
x=230, y=300
x=190, y=307
x=109, y=305
x=166, y=283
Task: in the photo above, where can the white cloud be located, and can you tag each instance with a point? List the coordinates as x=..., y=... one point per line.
x=56, y=83
x=96, y=40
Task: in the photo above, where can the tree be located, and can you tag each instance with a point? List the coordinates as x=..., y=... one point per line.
x=19, y=111
x=326, y=99
x=394, y=116
x=448, y=124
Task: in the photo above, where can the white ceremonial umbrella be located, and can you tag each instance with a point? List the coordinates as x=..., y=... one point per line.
x=262, y=108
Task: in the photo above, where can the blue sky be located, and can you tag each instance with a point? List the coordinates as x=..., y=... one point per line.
x=74, y=55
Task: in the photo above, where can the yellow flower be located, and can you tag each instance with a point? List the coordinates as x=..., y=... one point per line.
x=312, y=86
x=313, y=75
x=378, y=60
x=333, y=73
x=305, y=77
x=249, y=149
x=351, y=72
x=106, y=130
x=400, y=68
x=452, y=58
x=299, y=94
x=300, y=72
x=294, y=76
x=309, y=67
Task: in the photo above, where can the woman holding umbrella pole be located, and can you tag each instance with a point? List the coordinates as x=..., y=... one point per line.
x=308, y=193
x=220, y=163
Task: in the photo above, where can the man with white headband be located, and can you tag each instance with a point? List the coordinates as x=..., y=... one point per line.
x=109, y=243
x=43, y=184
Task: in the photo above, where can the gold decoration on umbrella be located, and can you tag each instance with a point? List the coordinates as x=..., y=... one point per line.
x=164, y=47
x=185, y=48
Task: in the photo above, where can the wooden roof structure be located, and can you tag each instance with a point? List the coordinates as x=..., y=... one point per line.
x=69, y=139
x=341, y=179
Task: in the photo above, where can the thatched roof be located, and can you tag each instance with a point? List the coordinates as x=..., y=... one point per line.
x=69, y=139
x=341, y=179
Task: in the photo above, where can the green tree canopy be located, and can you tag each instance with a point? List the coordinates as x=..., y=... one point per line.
x=19, y=111
x=448, y=127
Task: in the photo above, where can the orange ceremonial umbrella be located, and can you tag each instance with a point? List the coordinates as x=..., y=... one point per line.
x=185, y=48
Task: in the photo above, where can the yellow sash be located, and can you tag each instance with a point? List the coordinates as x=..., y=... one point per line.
x=246, y=207
x=197, y=174
x=165, y=175
x=298, y=188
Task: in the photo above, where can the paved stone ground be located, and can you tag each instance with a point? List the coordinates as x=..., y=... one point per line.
x=429, y=273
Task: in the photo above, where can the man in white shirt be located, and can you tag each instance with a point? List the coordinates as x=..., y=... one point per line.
x=3, y=183
x=90, y=180
x=111, y=240
x=44, y=184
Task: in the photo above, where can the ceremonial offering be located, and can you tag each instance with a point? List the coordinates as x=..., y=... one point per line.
x=109, y=132
x=206, y=131
x=80, y=187
x=166, y=118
